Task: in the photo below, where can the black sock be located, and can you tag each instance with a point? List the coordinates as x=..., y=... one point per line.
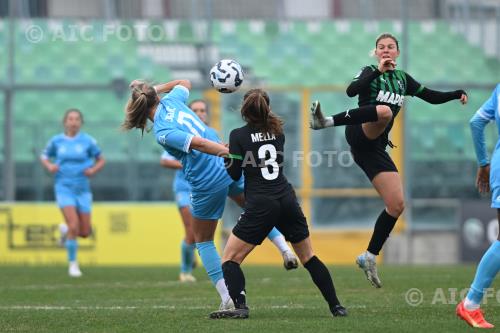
x=383, y=227
x=235, y=282
x=364, y=114
x=323, y=280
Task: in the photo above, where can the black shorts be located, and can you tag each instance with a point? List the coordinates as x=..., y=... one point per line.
x=370, y=155
x=262, y=213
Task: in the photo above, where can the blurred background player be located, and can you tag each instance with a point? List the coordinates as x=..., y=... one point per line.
x=270, y=202
x=385, y=87
x=487, y=178
x=73, y=157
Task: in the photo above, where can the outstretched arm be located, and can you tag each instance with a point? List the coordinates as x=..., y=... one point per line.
x=440, y=97
x=166, y=87
x=208, y=147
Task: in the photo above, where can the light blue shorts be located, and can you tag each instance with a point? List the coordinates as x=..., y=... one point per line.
x=495, y=197
x=210, y=206
x=76, y=196
x=183, y=199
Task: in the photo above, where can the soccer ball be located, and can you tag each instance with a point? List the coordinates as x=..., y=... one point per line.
x=226, y=76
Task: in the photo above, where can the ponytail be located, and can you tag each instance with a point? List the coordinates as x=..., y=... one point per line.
x=143, y=98
x=257, y=112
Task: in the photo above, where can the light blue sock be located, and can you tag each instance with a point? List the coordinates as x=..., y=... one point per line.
x=273, y=234
x=72, y=247
x=187, y=257
x=486, y=271
x=211, y=260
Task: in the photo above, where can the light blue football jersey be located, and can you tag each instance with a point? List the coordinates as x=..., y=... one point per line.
x=73, y=155
x=489, y=111
x=175, y=125
x=180, y=183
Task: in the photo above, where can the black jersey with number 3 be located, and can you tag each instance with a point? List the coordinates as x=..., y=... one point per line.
x=259, y=156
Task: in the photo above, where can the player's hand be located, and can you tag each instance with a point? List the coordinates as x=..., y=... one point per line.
x=89, y=172
x=53, y=168
x=464, y=98
x=386, y=64
x=483, y=179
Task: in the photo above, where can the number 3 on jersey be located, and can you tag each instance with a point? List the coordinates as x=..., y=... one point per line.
x=263, y=150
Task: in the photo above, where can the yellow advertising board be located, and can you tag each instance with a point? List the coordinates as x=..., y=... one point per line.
x=136, y=234
x=123, y=234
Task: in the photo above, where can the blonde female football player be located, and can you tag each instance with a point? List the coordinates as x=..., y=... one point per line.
x=182, y=191
x=183, y=135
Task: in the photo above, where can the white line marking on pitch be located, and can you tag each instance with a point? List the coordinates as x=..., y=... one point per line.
x=118, y=285
x=154, y=307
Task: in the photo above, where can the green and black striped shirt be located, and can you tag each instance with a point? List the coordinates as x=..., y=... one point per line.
x=389, y=88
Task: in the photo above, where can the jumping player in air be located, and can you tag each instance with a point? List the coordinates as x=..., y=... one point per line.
x=257, y=151
x=73, y=157
x=381, y=92
x=488, y=177
x=183, y=135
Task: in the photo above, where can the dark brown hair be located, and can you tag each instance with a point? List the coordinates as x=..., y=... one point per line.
x=143, y=98
x=257, y=112
x=387, y=35
x=68, y=111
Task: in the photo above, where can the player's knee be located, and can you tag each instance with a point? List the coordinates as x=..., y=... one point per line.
x=189, y=238
x=384, y=113
x=396, y=208
x=232, y=257
x=73, y=230
x=303, y=253
x=85, y=234
x=305, y=257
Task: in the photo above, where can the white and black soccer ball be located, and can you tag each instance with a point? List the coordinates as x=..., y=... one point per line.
x=226, y=76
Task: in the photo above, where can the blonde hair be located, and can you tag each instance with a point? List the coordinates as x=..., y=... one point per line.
x=143, y=98
x=383, y=36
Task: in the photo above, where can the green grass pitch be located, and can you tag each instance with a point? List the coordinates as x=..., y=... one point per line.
x=149, y=299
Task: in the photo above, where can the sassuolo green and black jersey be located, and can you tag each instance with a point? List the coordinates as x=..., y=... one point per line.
x=390, y=88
